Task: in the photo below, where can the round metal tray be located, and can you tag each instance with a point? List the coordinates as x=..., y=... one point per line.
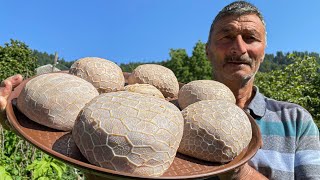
x=61, y=146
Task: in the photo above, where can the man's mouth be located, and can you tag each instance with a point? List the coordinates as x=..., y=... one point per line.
x=238, y=61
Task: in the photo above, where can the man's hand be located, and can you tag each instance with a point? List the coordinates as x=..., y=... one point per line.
x=6, y=88
x=244, y=172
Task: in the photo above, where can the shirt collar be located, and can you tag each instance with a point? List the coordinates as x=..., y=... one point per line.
x=258, y=104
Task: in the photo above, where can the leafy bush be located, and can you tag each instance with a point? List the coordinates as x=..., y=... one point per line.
x=4, y=175
x=189, y=68
x=21, y=160
x=16, y=57
x=47, y=167
x=297, y=83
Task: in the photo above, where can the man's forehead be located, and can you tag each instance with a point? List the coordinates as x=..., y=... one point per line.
x=240, y=18
x=230, y=22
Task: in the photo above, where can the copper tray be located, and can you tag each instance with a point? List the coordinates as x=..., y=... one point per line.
x=60, y=145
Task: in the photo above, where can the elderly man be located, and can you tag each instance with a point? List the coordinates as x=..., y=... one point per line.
x=236, y=48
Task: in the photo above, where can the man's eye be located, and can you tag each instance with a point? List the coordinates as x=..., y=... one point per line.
x=226, y=38
x=249, y=38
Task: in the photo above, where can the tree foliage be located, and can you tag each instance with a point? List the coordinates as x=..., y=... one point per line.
x=200, y=66
x=179, y=64
x=184, y=67
x=189, y=68
x=281, y=60
x=297, y=82
x=16, y=57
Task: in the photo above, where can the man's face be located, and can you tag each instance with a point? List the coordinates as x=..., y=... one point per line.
x=236, y=48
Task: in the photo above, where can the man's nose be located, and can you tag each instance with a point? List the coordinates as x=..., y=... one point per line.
x=239, y=46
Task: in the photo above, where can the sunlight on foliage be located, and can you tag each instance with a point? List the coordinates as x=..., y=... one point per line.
x=297, y=83
x=16, y=57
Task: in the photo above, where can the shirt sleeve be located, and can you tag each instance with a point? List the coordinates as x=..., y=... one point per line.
x=307, y=156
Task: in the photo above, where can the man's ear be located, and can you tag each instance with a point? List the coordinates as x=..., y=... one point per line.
x=207, y=46
x=262, y=59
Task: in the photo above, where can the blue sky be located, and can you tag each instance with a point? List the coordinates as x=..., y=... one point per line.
x=145, y=30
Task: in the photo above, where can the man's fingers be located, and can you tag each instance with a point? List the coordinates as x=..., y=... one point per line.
x=8, y=84
x=3, y=104
x=5, y=91
x=3, y=119
x=15, y=80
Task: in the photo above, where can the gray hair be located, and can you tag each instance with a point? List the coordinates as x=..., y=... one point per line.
x=237, y=8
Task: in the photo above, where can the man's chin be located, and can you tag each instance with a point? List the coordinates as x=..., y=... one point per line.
x=235, y=78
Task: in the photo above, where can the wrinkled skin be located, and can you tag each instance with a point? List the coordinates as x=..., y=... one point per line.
x=236, y=49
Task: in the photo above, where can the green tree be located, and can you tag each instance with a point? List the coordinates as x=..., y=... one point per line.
x=199, y=63
x=189, y=68
x=297, y=83
x=16, y=57
x=179, y=64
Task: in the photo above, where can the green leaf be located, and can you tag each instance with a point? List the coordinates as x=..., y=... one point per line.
x=4, y=175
